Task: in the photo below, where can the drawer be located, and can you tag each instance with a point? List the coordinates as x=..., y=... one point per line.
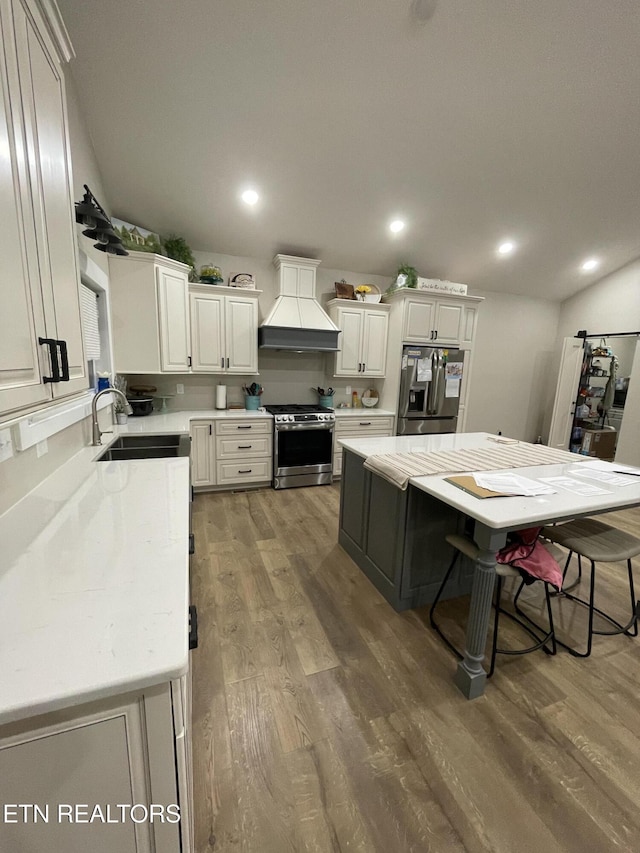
x=251, y=471
x=262, y=426
x=364, y=426
x=233, y=447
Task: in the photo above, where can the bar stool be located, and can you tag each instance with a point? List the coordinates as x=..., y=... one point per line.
x=465, y=545
x=597, y=542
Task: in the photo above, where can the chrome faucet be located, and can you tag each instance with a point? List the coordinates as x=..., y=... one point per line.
x=94, y=411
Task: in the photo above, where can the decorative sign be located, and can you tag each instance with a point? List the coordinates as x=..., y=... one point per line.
x=434, y=285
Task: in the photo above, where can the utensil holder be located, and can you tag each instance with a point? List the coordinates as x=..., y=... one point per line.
x=326, y=401
x=251, y=403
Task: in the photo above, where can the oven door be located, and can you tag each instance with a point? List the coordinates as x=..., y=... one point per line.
x=303, y=449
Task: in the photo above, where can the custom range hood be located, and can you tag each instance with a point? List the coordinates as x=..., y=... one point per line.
x=296, y=321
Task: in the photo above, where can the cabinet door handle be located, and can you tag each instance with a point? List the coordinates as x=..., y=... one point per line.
x=189, y=360
x=210, y=430
x=227, y=362
x=53, y=357
x=359, y=367
x=192, y=544
x=244, y=470
x=245, y=446
x=222, y=363
x=64, y=361
x=435, y=335
x=364, y=367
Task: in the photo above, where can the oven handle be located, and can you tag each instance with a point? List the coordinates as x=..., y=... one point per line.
x=288, y=427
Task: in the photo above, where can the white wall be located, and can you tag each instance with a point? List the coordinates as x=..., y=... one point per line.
x=512, y=357
x=610, y=305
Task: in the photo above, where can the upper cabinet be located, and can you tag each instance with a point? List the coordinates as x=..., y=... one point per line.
x=224, y=329
x=433, y=319
x=41, y=348
x=150, y=314
x=363, y=343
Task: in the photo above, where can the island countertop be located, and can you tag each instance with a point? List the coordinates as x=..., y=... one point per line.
x=503, y=513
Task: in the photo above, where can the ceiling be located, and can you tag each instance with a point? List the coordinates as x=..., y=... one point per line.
x=490, y=120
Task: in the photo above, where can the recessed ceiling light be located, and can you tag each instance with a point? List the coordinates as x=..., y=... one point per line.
x=506, y=248
x=250, y=196
x=396, y=225
x=590, y=264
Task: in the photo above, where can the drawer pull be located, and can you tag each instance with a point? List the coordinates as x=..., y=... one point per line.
x=244, y=470
x=365, y=423
x=245, y=446
x=244, y=427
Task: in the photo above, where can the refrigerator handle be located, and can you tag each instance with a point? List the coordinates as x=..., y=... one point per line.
x=433, y=385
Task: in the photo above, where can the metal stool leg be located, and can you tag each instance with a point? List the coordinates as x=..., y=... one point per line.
x=432, y=620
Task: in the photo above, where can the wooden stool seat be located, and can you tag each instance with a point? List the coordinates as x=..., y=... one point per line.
x=594, y=540
x=597, y=541
x=465, y=545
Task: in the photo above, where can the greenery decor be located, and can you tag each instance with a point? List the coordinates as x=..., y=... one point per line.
x=411, y=273
x=178, y=249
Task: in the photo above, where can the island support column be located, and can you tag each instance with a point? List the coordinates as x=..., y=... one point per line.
x=471, y=676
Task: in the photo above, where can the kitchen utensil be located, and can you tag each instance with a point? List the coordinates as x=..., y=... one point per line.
x=141, y=405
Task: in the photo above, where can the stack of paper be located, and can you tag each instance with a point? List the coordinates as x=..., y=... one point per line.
x=512, y=484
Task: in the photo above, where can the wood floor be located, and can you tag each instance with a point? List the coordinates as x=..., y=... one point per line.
x=325, y=721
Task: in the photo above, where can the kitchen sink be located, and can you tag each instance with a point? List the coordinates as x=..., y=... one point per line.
x=146, y=447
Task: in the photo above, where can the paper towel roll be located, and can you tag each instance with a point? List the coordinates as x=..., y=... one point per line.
x=221, y=397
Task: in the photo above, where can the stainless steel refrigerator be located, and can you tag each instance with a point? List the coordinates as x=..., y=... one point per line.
x=430, y=386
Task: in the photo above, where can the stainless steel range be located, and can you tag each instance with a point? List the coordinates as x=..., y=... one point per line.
x=302, y=445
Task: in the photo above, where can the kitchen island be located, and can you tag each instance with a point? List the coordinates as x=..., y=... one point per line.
x=397, y=537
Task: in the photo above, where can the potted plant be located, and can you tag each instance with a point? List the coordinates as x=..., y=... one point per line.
x=410, y=276
x=178, y=249
x=211, y=274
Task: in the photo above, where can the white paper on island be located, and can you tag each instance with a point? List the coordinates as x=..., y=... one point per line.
x=511, y=484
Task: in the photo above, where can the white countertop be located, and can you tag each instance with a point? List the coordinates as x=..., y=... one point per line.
x=358, y=413
x=503, y=512
x=417, y=443
x=178, y=422
x=94, y=583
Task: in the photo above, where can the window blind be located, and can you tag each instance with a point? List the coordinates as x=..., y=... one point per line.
x=90, y=327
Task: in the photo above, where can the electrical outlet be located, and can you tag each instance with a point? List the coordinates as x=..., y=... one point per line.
x=347, y=390
x=179, y=388
x=6, y=445
x=41, y=448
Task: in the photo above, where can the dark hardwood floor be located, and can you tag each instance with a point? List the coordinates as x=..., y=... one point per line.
x=325, y=721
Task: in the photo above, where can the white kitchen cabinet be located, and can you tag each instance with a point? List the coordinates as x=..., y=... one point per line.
x=150, y=314
x=363, y=425
x=124, y=750
x=224, y=330
x=231, y=452
x=38, y=242
x=363, y=343
x=203, y=459
x=429, y=319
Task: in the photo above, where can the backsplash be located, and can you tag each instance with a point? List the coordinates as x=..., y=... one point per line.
x=286, y=377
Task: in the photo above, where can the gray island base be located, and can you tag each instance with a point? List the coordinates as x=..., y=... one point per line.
x=397, y=538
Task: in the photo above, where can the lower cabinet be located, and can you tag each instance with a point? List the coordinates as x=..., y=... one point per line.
x=227, y=453
x=105, y=776
x=398, y=538
x=349, y=426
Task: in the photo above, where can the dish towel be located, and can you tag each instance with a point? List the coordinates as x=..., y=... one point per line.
x=399, y=468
